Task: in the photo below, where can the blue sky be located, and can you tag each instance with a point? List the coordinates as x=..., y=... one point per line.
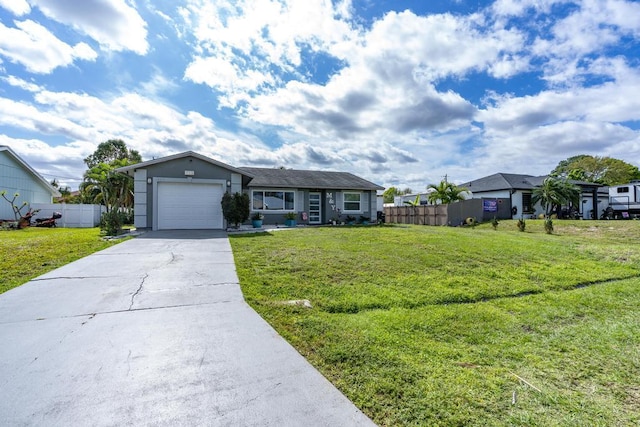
x=398, y=92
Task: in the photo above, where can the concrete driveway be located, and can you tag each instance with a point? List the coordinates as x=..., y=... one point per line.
x=154, y=331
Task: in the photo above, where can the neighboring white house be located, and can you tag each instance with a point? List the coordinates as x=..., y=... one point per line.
x=519, y=190
x=16, y=176
x=625, y=198
x=404, y=199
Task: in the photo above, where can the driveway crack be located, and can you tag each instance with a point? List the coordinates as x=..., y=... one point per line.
x=138, y=291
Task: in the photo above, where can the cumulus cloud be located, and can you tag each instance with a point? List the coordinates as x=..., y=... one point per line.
x=22, y=84
x=608, y=102
x=39, y=50
x=17, y=7
x=397, y=99
x=246, y=46
x=114, y=24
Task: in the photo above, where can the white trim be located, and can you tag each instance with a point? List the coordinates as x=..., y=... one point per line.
x=360, y=202
x=140, y=198
x=273, y=190
x=319, y=194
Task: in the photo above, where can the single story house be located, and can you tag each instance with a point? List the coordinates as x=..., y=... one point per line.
x=184, y=191
x=16, y=176
x=518, y=189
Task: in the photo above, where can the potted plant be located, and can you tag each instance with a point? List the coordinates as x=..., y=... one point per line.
x=256, y=220
x=290, y=219
x=350, y=219
x=364, y=220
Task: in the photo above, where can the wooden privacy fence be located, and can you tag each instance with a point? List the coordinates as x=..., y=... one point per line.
x=417, y=215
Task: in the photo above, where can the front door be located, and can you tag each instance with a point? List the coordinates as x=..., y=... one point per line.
x=315, y=208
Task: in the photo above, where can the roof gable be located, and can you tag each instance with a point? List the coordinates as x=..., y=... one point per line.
x=30, y=170
x=308, y=179
x=502, y=181
x=126, y=169
x=511, y=181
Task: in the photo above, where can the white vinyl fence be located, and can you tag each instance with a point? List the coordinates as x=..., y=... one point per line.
x=73, y=216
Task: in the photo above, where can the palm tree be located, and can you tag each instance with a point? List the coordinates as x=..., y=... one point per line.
x=445, y=193
x=415, y=202
x=555, y=192
x=103, y=185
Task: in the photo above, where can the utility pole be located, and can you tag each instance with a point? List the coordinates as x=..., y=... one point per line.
x=445, y=178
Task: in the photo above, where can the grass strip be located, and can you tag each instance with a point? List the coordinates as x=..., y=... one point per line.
x=444, y=326
x=31, y=252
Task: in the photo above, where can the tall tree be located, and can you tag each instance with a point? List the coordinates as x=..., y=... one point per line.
x=445, y=193
x=601, y=170
x=555, y=192
x=110, y=151
x=101, y=183
x=391, y=192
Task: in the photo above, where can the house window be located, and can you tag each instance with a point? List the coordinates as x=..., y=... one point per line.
x=273, y=200
x=352, y=202
x=623, y=189
x=526, y=203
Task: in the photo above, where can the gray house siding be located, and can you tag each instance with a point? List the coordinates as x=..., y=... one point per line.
x=170, y=191
x=332, y=205
x=176, y=171
x=187, y=170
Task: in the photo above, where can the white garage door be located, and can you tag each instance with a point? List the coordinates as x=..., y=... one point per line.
x=189, y=205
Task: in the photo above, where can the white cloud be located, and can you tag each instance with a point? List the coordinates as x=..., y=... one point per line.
x=247, y=46
x=114, y=24
x=233, y=81
x=564, y=43
x=521, y=7
x=608, y=102
x=28, y=117
x=389, y=82
x=159, y=83
x=35, y=47
x=22, y=84
x=378, y=104
x=17, y=7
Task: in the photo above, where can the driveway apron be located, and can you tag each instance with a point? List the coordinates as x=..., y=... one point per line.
x=154, y=331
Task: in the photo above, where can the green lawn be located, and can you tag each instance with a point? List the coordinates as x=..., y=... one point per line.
x=443, y=326
x=28, y=253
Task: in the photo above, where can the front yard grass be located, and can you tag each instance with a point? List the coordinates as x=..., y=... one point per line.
x=31, y=252
x=446, y=326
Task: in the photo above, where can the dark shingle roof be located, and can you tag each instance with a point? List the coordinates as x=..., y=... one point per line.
x=512, y=181
x=127, y=169
x=503, y=181
x=292, y=178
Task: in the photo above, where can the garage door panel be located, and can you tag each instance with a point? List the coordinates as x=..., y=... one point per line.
x=184, y=205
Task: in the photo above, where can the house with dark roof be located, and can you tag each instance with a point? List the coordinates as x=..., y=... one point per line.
x=518, y=189
x=17, y=176
x=184, y=191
